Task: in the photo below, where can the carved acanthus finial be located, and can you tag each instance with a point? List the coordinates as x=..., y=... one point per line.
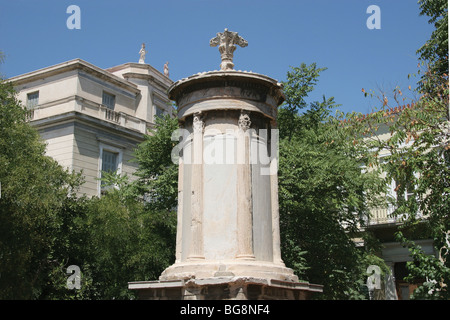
x=227, y=42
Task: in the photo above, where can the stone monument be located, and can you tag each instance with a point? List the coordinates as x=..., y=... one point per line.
x=228, y=237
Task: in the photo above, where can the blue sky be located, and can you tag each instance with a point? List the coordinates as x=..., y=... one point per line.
x=282, y=33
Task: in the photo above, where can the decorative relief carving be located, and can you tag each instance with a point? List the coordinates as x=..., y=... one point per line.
x=197, y=123
x=244, y=120
x=229, y=88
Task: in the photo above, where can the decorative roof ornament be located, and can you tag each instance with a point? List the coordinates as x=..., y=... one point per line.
x=166, y=69
x=227, y=42
x=142, y=54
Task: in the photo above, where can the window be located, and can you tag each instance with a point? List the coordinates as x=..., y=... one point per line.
x=32, y=100
x=159, y=112
x=403, y=192
x=110, y=161
x=109, y=100
x=110, y=165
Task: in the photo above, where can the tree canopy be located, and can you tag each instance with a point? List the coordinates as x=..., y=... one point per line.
x=322, y=191
x=417, y=145
x=35, y=194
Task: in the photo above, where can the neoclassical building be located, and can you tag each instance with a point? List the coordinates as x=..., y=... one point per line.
x=92, y=119
x=383, y=225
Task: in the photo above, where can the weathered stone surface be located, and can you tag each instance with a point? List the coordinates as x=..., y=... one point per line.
x=227, y=90
x=227, y=42
x=228, y=238
x=226, y=207
x=225, y=288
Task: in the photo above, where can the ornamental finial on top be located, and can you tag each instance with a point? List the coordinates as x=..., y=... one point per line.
x=142, y=54
x=227, y=42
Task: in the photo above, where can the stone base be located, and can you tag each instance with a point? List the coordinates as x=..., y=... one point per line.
x=224, y=288
x=241, y=268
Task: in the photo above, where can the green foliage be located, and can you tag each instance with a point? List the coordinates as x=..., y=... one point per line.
x=130, y=230
x=435, y=272
x=435, y=50
x=416, y=144
x=34, y=197
x=114, y=239
x=125, y=242
x=300, y=81
x=45, y=227
x=321, y=191
x=158, y=175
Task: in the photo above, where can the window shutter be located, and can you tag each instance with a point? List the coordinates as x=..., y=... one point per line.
x=108, y=100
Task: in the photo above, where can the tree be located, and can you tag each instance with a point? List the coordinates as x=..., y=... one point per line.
x=124, y=242
x=158, y=182
x=35, y=193
x=418, y=161
x=300, y=81
x=417, y=144
x=321, y=190
x=130, y=230
x=435, y=50
x=128, y=234
x=158, y=175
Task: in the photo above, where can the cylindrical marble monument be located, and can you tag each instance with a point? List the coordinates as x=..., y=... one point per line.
x=228, y=219
x=228, y=236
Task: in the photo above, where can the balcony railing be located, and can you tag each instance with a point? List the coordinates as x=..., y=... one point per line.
x=385, y=215
x=90, y=108
x=110, y=114
x=382, y=215
x=29, y=114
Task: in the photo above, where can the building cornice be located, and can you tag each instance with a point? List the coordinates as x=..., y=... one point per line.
x=76, y=64
x=148, y=69
x=74, y=116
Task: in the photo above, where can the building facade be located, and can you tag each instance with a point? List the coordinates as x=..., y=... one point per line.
x=383, y=224
x=92, y=119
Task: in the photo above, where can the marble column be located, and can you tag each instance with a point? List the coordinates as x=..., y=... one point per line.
x=275, y=211
x=196, y=247
x=244, y=191
x=179, y=238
